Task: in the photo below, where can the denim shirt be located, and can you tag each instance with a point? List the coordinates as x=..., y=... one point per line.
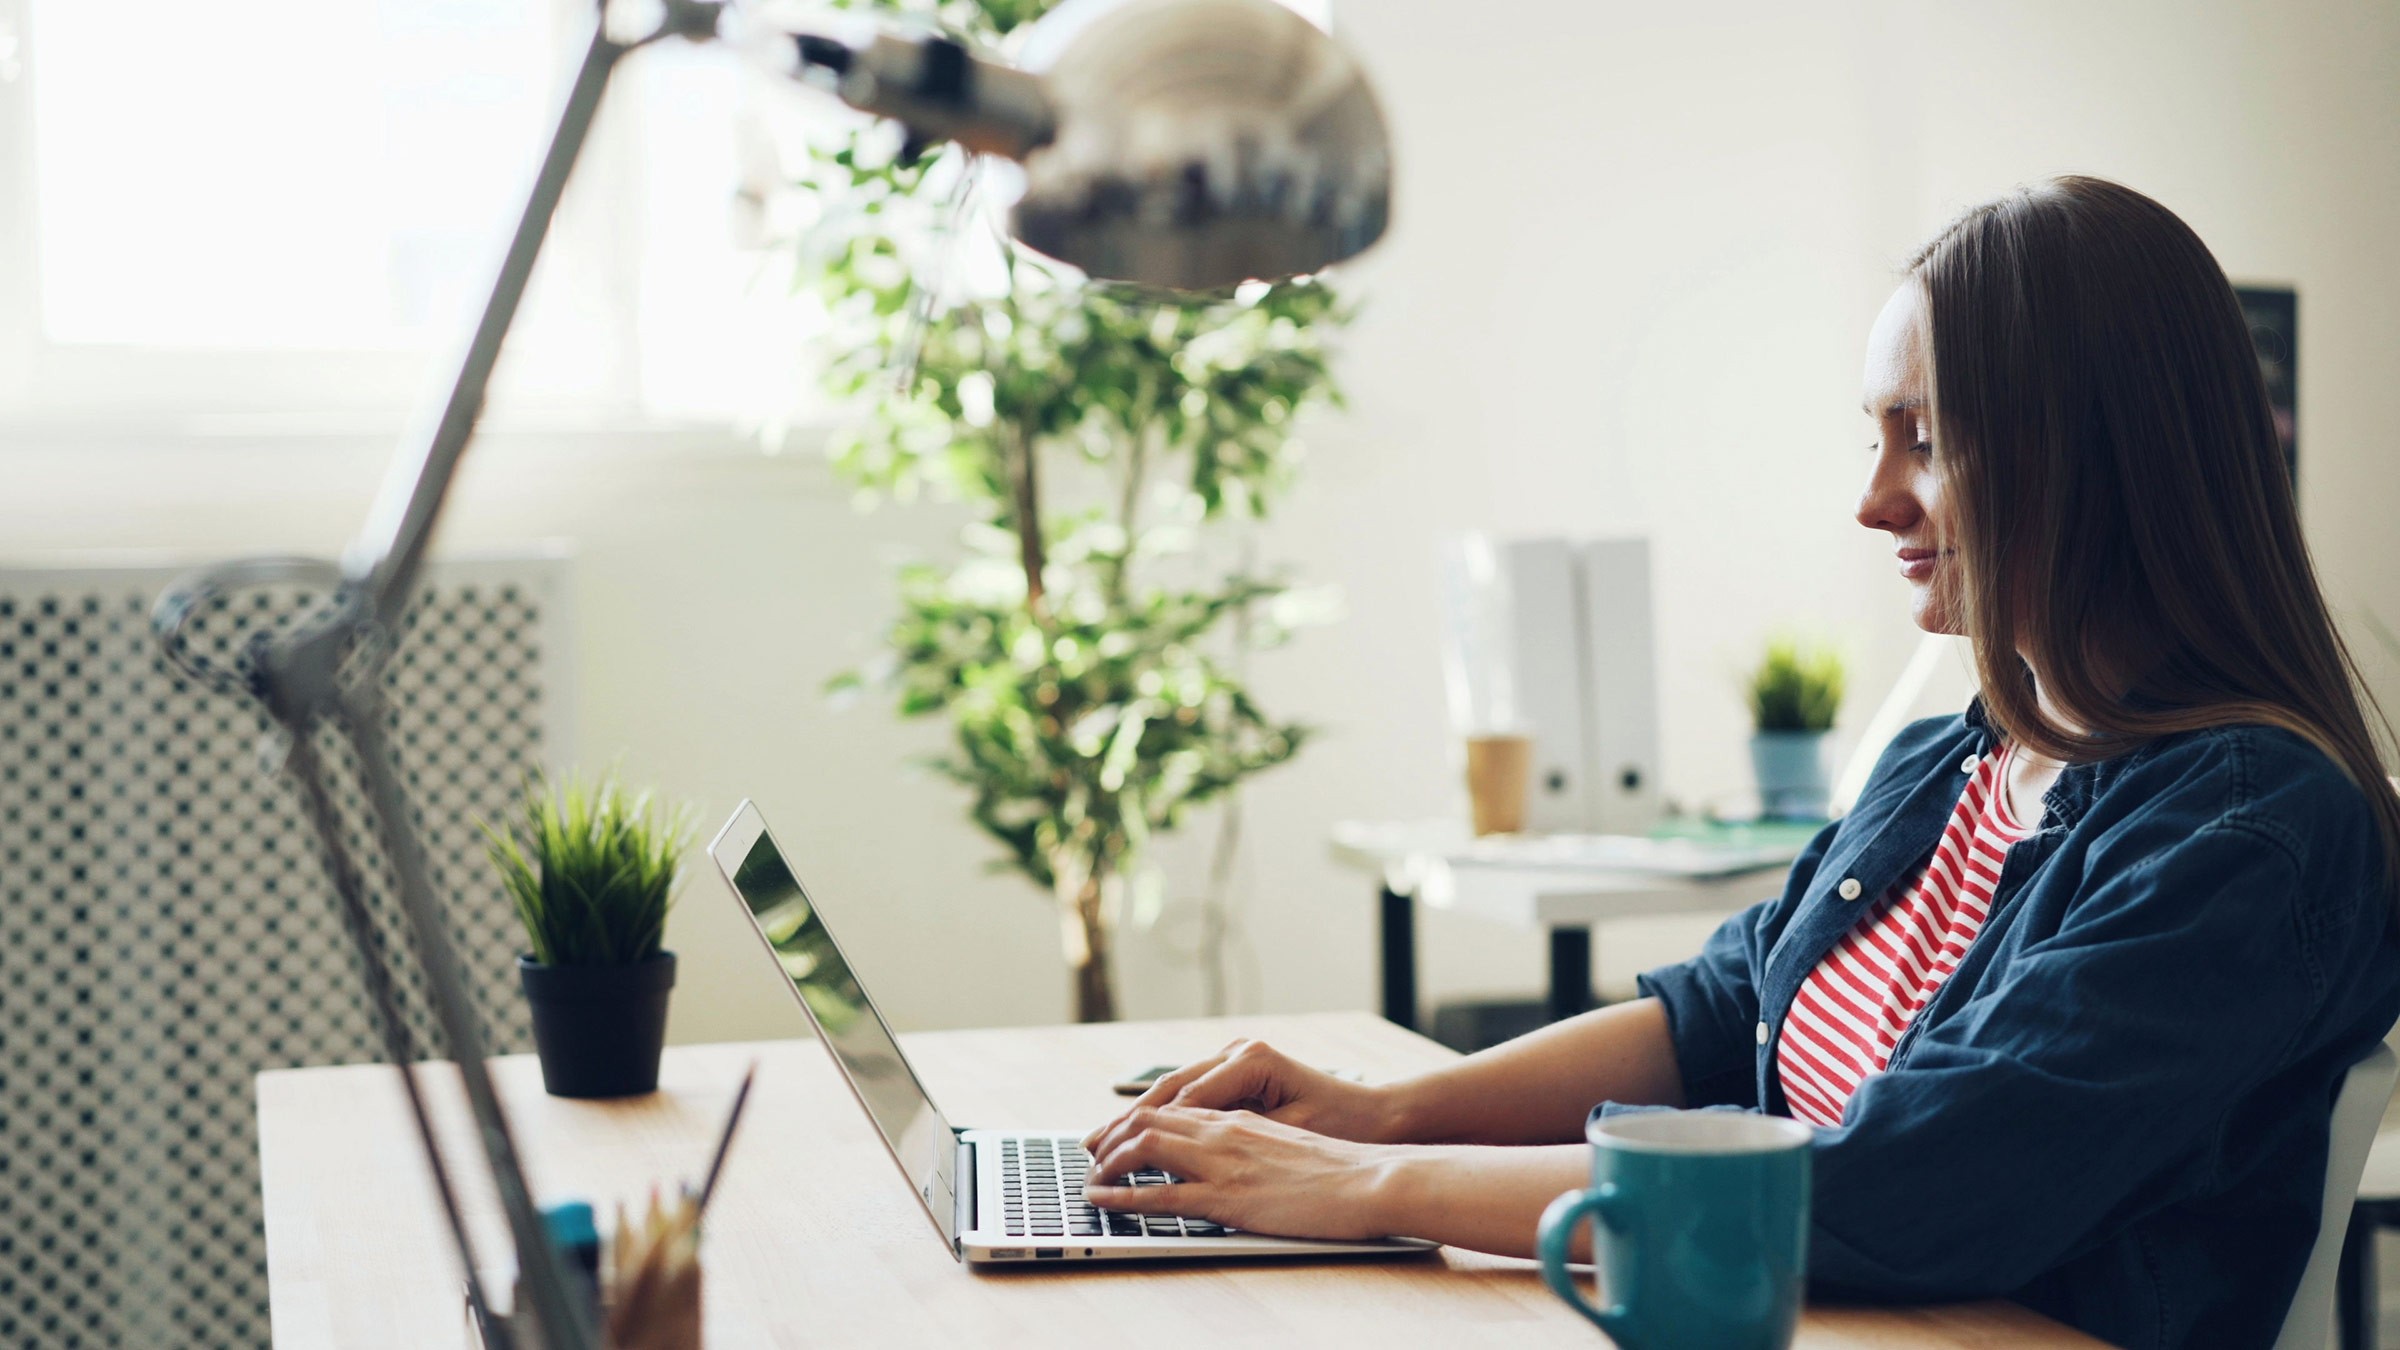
x=2116, y=1110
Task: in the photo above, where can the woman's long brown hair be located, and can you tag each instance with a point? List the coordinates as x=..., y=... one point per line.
x=2122, y=507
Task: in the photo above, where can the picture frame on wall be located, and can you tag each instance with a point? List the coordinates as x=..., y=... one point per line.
x=2273, y=313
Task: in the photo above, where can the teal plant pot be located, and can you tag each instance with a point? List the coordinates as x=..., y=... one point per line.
x=1793, y=783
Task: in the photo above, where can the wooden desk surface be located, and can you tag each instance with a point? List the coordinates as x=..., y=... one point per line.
x=814, y=1240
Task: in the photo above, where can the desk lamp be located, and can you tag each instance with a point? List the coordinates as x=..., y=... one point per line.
x=1180, y=144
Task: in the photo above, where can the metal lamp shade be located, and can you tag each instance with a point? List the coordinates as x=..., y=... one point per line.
x=1201, y=143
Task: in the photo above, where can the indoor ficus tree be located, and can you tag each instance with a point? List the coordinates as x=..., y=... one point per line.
x=1116, y=444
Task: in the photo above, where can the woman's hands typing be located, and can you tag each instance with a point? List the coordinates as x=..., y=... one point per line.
x=1245, y=1171
x=1254, y=1076
x=1265, y=1143
x=1257, y=1141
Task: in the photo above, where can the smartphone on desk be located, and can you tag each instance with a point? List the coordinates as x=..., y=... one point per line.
x=1138, y=1082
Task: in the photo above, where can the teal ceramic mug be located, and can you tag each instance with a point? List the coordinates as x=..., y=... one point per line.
x=1700, y=1229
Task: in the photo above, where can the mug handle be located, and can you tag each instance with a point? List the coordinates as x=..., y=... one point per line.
x=1604, y=1204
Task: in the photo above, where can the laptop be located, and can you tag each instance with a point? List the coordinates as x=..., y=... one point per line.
x=993, y=1195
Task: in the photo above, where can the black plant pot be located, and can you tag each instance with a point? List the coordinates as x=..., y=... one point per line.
x=599, y=1029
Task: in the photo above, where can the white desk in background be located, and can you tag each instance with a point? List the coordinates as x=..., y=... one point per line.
x=1561, y=883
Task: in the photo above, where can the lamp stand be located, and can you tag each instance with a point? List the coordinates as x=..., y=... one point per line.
x=326, y=672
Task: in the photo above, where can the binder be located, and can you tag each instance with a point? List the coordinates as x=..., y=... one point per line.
x=1584, y=674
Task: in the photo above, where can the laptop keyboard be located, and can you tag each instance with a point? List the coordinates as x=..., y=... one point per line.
x=1041, y=1181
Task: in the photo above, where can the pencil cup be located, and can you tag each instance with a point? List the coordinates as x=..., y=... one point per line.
x=1700, y=1230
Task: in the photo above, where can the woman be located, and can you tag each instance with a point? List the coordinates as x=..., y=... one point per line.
x=2069, y=994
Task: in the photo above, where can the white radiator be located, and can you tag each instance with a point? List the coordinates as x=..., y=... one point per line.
x=166, y=929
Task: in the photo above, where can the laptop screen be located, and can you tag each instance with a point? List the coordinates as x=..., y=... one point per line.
x=920, y=1140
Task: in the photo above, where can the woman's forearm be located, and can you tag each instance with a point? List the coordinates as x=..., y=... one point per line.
x=1538, y=1088
x=1485, y=1198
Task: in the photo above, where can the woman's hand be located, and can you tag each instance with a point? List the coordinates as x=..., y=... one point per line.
x=1253, y=1076
x=1245, y=1171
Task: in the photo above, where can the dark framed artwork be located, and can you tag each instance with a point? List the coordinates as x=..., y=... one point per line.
x=2274, y=316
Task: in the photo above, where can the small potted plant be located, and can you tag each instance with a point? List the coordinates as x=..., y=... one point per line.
x=1794, y=694
x=591, y=874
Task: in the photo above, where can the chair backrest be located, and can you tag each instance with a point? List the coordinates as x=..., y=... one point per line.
x=2356, y=1114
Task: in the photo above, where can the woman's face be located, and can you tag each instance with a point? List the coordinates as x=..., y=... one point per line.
x=1904, y=493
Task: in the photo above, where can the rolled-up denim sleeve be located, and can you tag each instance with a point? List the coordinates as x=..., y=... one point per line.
x=1712, y=999
x=2038, y=1109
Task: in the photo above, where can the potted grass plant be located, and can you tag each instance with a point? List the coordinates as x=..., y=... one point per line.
x=1794, y=693
x=591, y=873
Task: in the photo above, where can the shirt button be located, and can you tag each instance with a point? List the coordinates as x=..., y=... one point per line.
x=1968, y=764
x=1762, y=1033
x=1849, y=888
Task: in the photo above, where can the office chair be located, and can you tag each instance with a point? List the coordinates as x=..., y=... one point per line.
x=2356, y=1308
x=2357, y=1113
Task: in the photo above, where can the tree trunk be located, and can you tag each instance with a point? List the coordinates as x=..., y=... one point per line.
x=1085, y=933
x=1028, y=511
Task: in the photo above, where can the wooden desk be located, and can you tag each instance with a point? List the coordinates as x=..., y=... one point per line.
x=815, y=1241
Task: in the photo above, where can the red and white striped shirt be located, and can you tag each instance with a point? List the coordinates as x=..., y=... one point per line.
x=1851, y=1009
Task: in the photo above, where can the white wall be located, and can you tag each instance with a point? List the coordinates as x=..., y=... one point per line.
x=1637, y=252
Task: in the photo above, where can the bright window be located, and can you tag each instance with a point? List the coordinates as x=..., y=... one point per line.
x=277, y=174
x=295, y=206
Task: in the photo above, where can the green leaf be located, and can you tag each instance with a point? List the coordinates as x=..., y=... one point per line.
x=590, y=875
x=1796, y=687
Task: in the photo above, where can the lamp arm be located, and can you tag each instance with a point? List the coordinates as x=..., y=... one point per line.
x=327, y=671
x=379, y=576
x=382, y=563
x=934, y=86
